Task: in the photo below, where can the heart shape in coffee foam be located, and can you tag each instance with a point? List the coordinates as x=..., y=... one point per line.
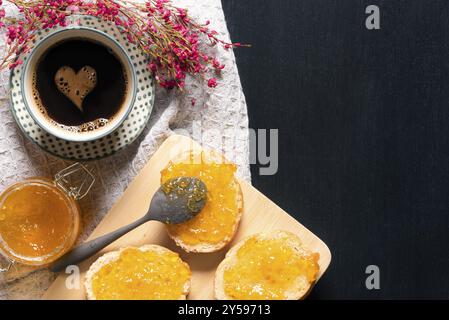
x=76, y=86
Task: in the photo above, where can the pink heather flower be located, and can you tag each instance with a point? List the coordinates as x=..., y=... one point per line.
x=153, y=67
x=166, y=34
x=18, y=62
x=167, y=14
x=179, y=74
x=198, y=68
x=149, y=7
x=12, y=33
x=182, y=13
x=212, y=83
x=130, y=38
x=193, y=102
x=217, y=65
x=152, y=27
x=73, y=9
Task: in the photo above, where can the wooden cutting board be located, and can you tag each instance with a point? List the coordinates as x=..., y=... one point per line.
x=260, y=214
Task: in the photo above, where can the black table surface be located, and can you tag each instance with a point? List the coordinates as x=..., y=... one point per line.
x=363, y=133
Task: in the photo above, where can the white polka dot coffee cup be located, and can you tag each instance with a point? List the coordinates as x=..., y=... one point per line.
x=71, y=85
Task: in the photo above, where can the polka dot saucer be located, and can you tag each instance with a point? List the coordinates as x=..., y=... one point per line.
x=125, y=134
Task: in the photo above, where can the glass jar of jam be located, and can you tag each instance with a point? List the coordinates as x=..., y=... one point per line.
x=40, y=217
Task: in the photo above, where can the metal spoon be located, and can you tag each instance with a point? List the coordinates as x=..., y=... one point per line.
x=176, y=201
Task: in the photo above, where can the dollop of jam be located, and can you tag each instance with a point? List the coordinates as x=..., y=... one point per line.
x=216, y=221
x=185, y=187
x=142, y=275
x=266, y=269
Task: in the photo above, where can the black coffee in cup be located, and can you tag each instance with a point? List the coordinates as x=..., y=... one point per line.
x=79, y=85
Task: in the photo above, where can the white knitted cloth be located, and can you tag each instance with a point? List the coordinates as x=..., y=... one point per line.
x=219, y=118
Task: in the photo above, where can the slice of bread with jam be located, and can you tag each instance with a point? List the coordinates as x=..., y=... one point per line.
x=150, y=272
x=267, y=266
x=215, y=226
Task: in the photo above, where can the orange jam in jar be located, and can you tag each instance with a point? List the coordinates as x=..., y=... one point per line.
x=154, y=274
x=218, y=220
x=39, y=222
x=269, y=268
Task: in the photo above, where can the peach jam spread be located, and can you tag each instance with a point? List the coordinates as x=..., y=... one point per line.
x=266, y=269
x=142, y=275
x=38, y=222
x=216, y=221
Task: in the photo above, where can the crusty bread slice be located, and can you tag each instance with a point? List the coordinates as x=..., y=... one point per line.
x=113, y=256
x=209, y=157
x=300, y=287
